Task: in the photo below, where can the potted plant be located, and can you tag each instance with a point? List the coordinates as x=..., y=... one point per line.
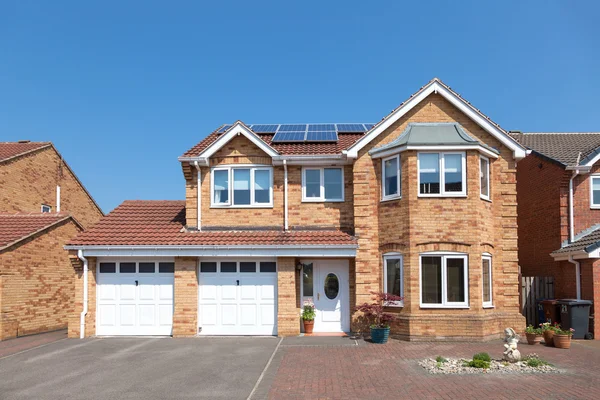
x=548, y=331
x=534, y=335
x=562, y=337
x=379, y=320
x=308, y=316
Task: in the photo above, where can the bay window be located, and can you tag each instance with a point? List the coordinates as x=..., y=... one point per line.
x=242, y=187
x=323, y=184
x=444, y=281
x=442, y=174
x=393, y=277
x=486, y=279
x=391, y=180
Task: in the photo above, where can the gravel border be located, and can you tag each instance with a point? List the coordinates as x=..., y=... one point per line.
x=455, y=366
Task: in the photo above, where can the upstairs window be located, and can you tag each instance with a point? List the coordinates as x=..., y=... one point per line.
x=242, y=187
x=46, y=208
x=595, y=191
x=391, y=181
x=323, y=184
x=442, y=174
x=484, y=175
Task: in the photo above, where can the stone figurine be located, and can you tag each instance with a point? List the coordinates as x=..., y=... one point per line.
x=511, y=353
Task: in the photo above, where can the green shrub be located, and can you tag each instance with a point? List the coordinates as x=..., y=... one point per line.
x=482, y=356
x=479, y=364
x=440, y=359
x=534, y=361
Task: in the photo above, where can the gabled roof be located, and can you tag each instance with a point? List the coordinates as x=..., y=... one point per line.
x=162, y=223
x=9, y=150
x=437, y=86
x=567, y=149
x=586, y=245
x=15, y=227
x=432, y=134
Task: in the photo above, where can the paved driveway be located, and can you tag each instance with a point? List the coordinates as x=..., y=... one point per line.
x=137, y=368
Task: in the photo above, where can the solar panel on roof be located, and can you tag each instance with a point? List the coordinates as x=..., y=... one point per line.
x=223, y=128
x=292, y=128
x=369, y=126
x=322, y=136
x=292, y=136
x=264, y=128
x=321, y=127
x=350, y=127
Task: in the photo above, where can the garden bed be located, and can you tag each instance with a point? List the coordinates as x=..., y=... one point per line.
x=532, y=364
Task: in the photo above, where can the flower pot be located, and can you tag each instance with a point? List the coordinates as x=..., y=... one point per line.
x=380, y=335
x=308, y=326
x=533, y=338
x=548, y=335
x=562, y=341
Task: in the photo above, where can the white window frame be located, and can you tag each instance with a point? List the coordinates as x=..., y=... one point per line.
x=321, y=198
x=487, y=304
x=46, y=205
x=489, y=189
x=592, y=177
x=445, y=256
x=393, y=256
x=398, y=177
x=443, y=192
x=230, y=203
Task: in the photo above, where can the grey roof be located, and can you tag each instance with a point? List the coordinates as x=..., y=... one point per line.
x=562, y=147
x=587, y=243
x=432, y=134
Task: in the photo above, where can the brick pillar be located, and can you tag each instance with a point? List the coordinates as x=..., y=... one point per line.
x=74, y=318
x=185, y=313
x=288, y=318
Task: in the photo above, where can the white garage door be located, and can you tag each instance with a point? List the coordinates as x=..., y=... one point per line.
x=237, y=298
x=135, y=298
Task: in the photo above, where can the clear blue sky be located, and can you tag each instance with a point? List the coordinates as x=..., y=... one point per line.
x=124, y=87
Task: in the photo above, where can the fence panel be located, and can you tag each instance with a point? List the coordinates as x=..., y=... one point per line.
x=533, y=289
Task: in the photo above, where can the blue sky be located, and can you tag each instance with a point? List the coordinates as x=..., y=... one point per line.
x=123, y=88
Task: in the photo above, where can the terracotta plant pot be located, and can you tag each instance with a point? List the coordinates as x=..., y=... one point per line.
x=308, y=326
x=562, y=341
x=548, y=336
x=533, y=338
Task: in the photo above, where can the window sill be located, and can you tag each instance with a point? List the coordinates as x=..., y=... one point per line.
x=442, y=195
x=394, y=305
x=321, y=201
x=488, y=306
x=485, y=199
x=443, y=306
x=243, y=206
x=390, y=199
x=595, y=207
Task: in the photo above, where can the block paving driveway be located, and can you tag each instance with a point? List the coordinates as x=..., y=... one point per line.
x=271, y=368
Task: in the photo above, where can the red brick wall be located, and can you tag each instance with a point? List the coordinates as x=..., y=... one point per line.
x=585, y=217
x=29, y=181
x=37, y=283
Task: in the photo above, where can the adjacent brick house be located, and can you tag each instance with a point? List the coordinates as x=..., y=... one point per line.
x=42, y=206
x=421, y=204
x=559, y=212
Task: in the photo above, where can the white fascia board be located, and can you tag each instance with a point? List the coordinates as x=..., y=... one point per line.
x=329, y=159
x=593, y=161
x=217, y=251
x=237, y=129
x=436, y=87
x=400, y=149
x=577, y=255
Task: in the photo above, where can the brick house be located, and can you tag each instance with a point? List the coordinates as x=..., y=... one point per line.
x=42, y=206
x=558, y=186
x=421, y=204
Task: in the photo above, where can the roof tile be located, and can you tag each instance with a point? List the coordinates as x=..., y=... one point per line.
x=13, y=149
x=16, y=226
x=562, y=147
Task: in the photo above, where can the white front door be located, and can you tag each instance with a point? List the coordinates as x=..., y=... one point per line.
x=134, y=298
x=237, y=298
x=331, y=296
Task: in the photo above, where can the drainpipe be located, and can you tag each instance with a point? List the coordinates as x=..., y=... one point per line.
x=285, y=194
x=57, y=198
x=577, y=275
x=199, y=196
x=85, y=294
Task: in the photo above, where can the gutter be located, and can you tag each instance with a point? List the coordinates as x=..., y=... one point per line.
x=285, y=195
x=198, y=197
x=85, y=294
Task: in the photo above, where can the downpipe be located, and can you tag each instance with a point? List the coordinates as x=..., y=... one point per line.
x=85, y=294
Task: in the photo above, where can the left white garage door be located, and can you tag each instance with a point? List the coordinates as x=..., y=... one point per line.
x=135, y=298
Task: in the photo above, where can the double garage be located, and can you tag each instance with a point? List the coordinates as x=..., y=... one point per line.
x=235, y=297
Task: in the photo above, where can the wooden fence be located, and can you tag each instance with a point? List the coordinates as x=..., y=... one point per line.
x=533, y=289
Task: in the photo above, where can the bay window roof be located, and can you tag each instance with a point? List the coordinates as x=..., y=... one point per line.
x=432, y=135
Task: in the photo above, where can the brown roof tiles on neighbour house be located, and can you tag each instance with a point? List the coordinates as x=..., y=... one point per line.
x=585, y=243
x=10, y=150
x=566, y=148
x=15, y=227
x=161, y=222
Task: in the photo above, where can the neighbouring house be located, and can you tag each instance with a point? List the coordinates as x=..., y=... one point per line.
x=42, y=206
x=558, y=186
x=421, y=204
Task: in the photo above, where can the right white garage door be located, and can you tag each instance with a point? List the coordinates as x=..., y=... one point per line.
x=237, y=298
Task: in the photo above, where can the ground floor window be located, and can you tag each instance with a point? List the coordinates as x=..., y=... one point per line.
x=486, y=279
x=393, y=277
x=444, y=280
